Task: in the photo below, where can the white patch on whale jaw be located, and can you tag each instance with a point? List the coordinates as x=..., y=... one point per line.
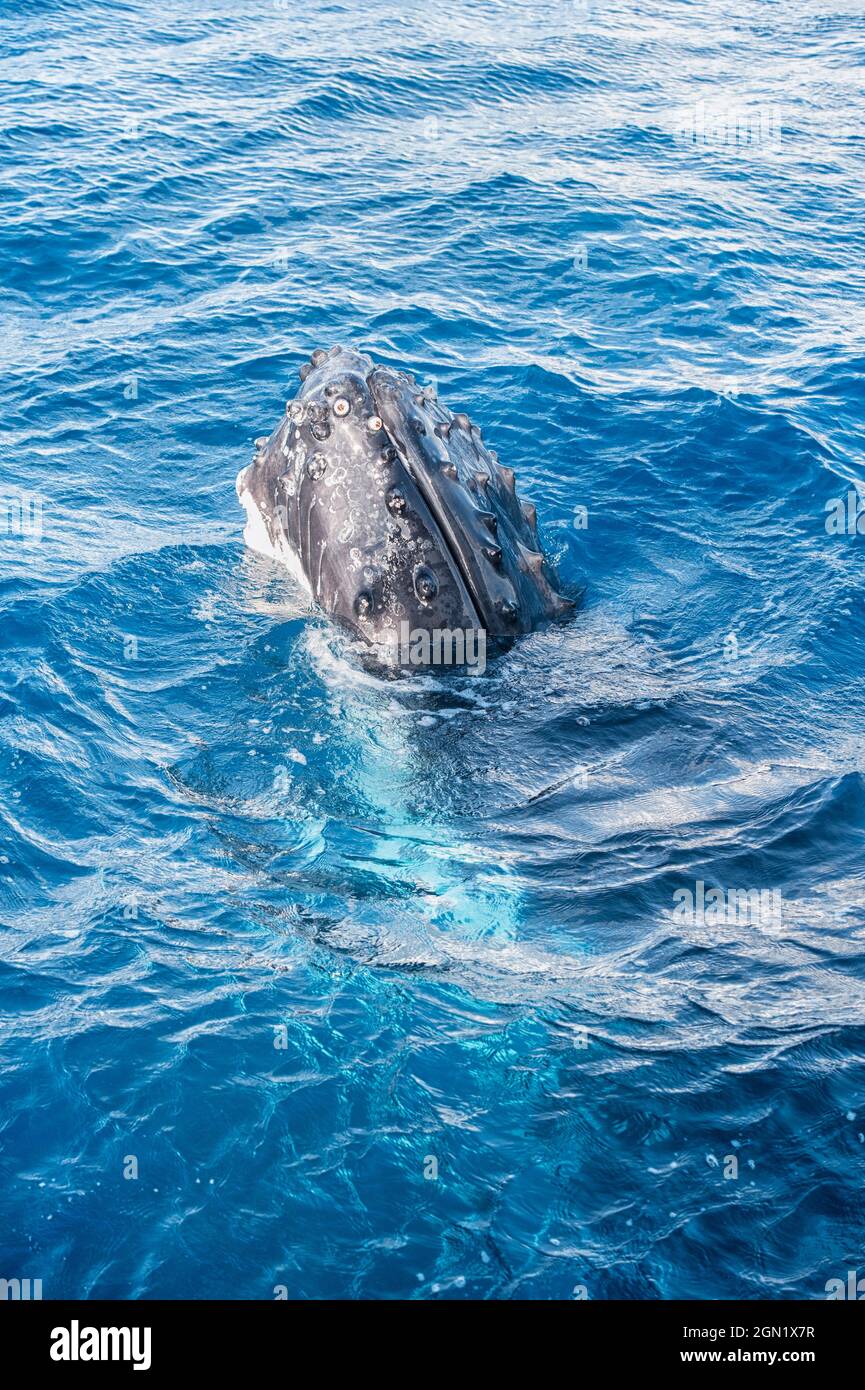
x=256, y=534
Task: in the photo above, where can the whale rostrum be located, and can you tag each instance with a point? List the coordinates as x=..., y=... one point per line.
x=391, y=510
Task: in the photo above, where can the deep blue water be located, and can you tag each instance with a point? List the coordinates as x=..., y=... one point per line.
x=451, y=901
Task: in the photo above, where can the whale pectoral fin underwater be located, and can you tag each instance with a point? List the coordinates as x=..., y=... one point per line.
x=390, y=510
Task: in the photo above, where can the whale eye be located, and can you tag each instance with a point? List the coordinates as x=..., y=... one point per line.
x=316, y=466
x=373, y=424
x=395, y=500
x=426, y=586
x=388, y=454
x=341, y=406
x=363, y=604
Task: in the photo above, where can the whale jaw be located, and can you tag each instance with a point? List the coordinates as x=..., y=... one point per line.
x=391, y=510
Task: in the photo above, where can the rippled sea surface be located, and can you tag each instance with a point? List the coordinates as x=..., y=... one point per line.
x=381, y=987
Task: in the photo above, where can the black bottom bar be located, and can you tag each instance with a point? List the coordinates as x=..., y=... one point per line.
x=171, y=1338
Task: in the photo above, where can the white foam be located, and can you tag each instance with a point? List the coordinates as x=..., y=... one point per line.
x=257, y=536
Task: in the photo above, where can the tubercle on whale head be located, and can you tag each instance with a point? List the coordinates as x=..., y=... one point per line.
x=393, y=511
x=492, y=539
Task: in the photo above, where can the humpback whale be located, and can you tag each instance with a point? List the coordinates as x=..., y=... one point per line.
x=392, y=512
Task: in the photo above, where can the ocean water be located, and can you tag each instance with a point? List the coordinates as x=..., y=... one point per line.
x=320, y=984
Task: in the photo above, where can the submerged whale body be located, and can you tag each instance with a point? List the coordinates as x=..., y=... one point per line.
x=392, y=512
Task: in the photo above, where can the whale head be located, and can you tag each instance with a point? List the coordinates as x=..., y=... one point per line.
x=391, y=510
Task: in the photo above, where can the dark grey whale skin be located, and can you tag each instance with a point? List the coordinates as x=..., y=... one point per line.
x=395, y=509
